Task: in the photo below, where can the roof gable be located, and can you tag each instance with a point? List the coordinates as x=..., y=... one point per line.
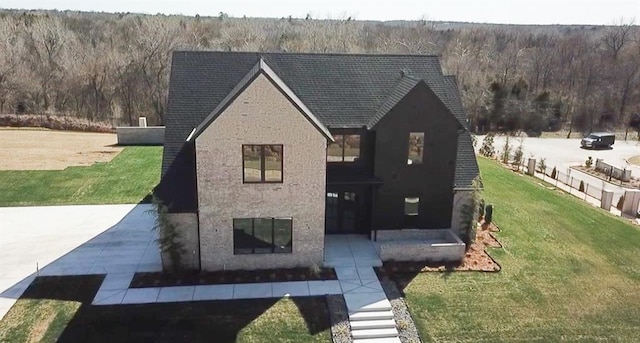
x=260, y=68
x=404, y=86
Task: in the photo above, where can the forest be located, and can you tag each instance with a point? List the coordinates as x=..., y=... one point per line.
x=113, y=68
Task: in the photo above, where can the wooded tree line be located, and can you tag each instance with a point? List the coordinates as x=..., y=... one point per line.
x=115, y=67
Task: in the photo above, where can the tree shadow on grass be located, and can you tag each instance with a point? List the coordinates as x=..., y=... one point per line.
x=201, y=321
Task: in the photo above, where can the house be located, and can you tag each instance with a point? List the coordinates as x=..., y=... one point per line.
x=266, y=153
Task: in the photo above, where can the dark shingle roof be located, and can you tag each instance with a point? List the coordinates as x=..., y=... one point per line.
x=341, y=90
x=466, y=163
x=401, y=89
x=261, y=68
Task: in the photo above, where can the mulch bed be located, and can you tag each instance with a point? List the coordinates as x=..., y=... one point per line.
x=634, y=183
x=476, y=257
x=195, y=278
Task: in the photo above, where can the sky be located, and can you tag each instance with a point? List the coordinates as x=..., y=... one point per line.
x=594, y=12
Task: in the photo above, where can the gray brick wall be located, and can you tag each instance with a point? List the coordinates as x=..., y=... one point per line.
x=460, y=197
x=187, y=223
x=260, y=115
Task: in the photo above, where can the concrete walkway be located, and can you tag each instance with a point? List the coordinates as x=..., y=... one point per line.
x=115, y=290
x=370, y=314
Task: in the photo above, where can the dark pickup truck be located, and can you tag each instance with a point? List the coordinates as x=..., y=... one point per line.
x=598, y=140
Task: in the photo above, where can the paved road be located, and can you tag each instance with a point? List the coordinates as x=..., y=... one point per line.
x=563, y=153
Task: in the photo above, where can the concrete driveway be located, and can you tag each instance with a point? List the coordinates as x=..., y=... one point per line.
x=72, y=240
x=563, y=153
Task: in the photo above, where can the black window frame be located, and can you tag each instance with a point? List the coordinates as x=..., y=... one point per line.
x=404, y=203
x=263, y=163
x=256, y=250
x=344, y=136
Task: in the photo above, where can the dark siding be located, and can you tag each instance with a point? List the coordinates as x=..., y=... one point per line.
x=176, y=189
x=432, y=181
x=363, y=168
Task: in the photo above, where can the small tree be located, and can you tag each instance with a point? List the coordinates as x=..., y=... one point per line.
x=518, y=154
x=542, y=166
x=581, y=187
x=469, y=213
x=487, y=149
x=554, y=173
x=589, y=162
x=168, y=236
x=620, y=203
x=506, y=151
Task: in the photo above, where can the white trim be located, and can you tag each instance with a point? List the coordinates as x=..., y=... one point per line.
x=191, y=134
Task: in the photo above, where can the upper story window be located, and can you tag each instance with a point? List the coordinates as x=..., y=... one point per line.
x=262, y=163
x=416, y=147
x=345, y=149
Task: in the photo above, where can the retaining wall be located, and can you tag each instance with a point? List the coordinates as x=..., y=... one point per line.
x=419, y=245
x=134, y=135
x=620, y=174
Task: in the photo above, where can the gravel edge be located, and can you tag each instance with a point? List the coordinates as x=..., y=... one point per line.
x=340, y=328
x=406, y=327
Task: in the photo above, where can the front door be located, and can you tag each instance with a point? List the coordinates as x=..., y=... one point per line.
x=341, y=212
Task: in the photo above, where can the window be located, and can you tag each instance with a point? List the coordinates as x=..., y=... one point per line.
x=416, y=147
x=346, y=148
x=262, y=163
x=261, y=235
x=411, y=206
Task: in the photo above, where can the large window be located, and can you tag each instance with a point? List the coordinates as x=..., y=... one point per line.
x=411, y=206
x=416, y=147
x=262, y=163
x=346, y=148
x=261, y=235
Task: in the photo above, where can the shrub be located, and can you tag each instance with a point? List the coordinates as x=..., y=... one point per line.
x=620, y=203
x=554, y=173
x=589, y=162
x=487, y=149
x=481, y=208
x=506, y=151
x=581, y=187
x=542, y=166
x=488, y=215
x=469, y=214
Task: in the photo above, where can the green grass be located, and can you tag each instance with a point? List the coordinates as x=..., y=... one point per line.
x=126, y=179
x=58, y=309
x=570, y=272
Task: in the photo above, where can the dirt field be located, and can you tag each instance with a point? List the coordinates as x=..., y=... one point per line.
x=42, y=149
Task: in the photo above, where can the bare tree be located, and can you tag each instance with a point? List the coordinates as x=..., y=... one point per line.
x=617, y=36
x=12, y=47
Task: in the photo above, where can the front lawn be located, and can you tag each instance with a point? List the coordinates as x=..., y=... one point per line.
x=570, y=272
x=128, y=178
x=59, y=309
